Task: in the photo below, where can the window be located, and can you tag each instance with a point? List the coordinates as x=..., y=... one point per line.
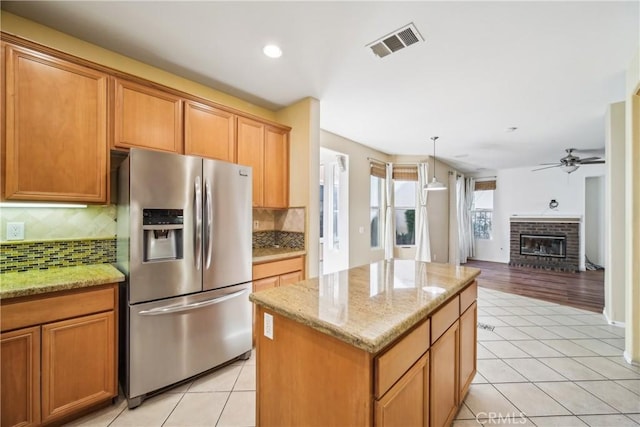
x=482, y=214
x=405, y=210
x=375, y=219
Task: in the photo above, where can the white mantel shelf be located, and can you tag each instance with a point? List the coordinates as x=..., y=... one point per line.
x=546, y=218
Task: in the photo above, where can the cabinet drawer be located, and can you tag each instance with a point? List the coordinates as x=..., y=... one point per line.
x=444, y=318
x=277, y=267
x=392, y=364
x=468, y=296
x=35, y=311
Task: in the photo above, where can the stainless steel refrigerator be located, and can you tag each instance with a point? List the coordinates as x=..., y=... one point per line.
x=184, y=244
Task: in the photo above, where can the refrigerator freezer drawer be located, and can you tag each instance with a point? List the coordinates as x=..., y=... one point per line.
x=176, y=338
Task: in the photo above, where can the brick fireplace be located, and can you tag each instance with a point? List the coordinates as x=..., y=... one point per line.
x=552, y=243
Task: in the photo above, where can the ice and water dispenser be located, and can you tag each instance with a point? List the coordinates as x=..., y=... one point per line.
x=163, y=231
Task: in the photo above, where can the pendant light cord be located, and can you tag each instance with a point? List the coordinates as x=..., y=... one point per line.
x=434, y=138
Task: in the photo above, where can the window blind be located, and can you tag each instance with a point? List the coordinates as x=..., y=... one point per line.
x=485, y=185
x=405, y=172
x=377, y=169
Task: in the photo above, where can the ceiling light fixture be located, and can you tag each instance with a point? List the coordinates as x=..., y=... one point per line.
x=569, y=167
x=272, y=51
x=511, y=129
x=434, y=185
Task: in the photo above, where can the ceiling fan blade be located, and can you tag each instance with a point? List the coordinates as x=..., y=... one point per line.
x=589, y=159
x=555, y=163
x=591, y=162
x=547, y=167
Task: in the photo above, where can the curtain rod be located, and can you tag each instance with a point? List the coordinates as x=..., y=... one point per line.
x=485, y=178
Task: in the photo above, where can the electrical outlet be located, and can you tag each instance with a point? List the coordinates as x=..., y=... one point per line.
x=15, y=231
x=268, y=326
x=256, y=224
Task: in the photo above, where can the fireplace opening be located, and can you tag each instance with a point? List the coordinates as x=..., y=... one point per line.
x=543, y=245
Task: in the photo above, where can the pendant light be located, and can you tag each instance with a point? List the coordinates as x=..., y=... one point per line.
x=434, y=185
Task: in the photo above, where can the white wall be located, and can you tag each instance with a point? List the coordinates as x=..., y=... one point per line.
x=594, y=222
x=521, y=191
x=360, y=251
x=614, y=213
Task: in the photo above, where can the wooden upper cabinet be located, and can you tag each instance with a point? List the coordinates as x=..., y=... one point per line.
x=251, y=153
x=146, y=117
x=266, y=149
x=276, y=168
x=209, y=132
x=56, y=129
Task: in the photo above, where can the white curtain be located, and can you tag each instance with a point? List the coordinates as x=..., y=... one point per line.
x=454, y=241
x=389, y=229
x=423, y=243
x=470, y=241
x=464, y=204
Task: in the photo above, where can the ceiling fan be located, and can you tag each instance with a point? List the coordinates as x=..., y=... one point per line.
x=570, y=162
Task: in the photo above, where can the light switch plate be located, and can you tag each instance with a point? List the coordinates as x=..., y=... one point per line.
x=268, y=326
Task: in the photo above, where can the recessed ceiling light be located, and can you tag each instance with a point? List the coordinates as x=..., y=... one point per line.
x=272, y=51
x=511, y=129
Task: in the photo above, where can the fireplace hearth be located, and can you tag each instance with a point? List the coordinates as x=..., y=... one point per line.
x=551, y=243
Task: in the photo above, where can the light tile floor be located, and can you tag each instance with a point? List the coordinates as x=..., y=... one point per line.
x=543, y=364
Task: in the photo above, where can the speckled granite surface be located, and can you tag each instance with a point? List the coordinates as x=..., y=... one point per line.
x=368, y=306
x=274, y=254
x=35, y=282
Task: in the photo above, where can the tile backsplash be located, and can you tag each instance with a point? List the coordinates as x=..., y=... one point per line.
x=50, y=254
x=41, y=224
x=283, y=228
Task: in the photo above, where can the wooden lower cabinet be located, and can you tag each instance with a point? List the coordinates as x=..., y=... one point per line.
x=78, y=366
x=406, y=403
x=58, y=355
x=444, y=372
x=468, y=349
x=276, y=273
x=20, y=380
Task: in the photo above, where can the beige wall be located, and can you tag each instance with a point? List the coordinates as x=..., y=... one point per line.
x=304, y=151
x=614, y=289
x=46, y=36
x=632, y=212
x=360, y=251
x=437, y=209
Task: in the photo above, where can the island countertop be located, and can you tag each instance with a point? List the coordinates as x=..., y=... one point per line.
x=368, y=306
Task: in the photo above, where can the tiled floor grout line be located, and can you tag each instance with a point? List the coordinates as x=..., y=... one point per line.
x=174, y=407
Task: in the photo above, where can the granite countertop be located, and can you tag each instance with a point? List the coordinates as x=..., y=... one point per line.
x=35, y=282
x=274, y=254
x=370, y=306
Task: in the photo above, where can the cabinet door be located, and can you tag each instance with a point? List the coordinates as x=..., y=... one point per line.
x=251, y=153
x=78, y=364
x=20, y=380
x=444, y=378
x=276, y=164
x=209, y=132
x=406, y=403
x=56, y=129
x=290, y=278
x=468, y=335
x=146, y=117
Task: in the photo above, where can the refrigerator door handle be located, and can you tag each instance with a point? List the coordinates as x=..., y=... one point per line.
x=208, y=237
x=176, y=309
x=198, y=222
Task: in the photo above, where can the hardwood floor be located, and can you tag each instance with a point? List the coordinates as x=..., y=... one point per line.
x=584, y=289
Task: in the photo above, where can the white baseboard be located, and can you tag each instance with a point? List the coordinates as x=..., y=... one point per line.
x=627, y=358
x=612, y=322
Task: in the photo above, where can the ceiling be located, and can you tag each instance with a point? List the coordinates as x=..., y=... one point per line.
x=548, y=68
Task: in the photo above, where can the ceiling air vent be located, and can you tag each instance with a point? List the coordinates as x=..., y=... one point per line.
x=393, y=42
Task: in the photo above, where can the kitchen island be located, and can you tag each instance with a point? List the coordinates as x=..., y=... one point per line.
x=391, y=343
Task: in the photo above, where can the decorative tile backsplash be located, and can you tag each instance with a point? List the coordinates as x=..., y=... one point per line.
x=292, y=219
x=279, y=227
x=93, y=222
x=62, y=253
x=274, y=238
